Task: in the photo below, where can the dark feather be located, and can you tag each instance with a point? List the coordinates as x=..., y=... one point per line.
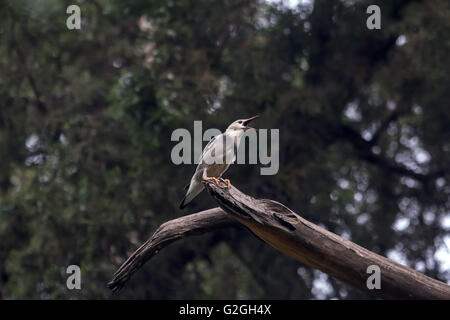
x=182, y=205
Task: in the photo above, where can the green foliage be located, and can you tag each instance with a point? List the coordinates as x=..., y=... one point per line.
x=86, y=118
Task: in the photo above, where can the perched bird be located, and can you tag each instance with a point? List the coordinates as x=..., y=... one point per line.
x=217, y=156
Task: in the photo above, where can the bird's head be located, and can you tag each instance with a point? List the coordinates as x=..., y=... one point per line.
x=240, y=126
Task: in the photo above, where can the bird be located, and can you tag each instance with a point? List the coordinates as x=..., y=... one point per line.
x=216, y=158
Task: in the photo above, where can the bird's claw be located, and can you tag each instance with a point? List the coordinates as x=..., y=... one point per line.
x=217, y=181
x=227, y=181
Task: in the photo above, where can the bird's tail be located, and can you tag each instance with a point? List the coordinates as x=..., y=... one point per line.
x=194, y=190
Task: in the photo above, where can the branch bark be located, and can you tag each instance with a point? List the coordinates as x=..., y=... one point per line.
x=286, y=231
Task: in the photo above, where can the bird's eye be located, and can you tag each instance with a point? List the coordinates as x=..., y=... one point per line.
x=239, y=121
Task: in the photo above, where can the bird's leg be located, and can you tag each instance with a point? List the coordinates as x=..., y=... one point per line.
x=212, y=178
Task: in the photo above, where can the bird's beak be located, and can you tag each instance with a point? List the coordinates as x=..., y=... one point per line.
x=248, y=121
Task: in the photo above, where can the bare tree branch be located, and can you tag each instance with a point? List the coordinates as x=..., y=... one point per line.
x=286, y=231
x=168, y=232
x=306, y=242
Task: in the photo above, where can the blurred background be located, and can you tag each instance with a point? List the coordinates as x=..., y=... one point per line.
x=86, y=118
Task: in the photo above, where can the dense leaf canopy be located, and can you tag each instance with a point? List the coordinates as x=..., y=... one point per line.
x=86, y=118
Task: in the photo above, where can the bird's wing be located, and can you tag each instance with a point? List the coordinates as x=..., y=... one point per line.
x=194, y=187
x=208, y=148
x=200, y=162
x=218, y=151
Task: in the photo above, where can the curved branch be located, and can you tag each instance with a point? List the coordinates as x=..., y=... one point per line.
x=286, y=231
x=170, y=231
